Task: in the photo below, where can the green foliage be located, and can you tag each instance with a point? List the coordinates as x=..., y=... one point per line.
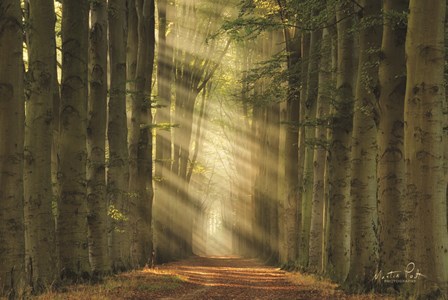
x=165, y=126
x=198, y=168
x=250, y=27
x=397, y=19
x=116, y=214
x=271, y=74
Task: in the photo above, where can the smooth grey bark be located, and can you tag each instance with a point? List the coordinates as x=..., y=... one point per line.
x=364, y=254
x=40, y=242
x=339, y=148
x=427, y=236
x=72, y=205
x=390, y=172
x=98, y=224
x=118, y=166
x=316, y=251
x=12, y=243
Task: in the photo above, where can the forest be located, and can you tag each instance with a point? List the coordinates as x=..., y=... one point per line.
x=311, y=135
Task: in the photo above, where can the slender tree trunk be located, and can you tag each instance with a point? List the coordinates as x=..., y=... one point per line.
x=332, y=86
x=255, y=162
x=118, y=166
x=339, y=151
x=315, y=262
x=305, y=43
x=72, y=216
x=162, y=207
x=308, y=121
x=261, y=188
x=364, y=240
x=423, y=135
x=147, y=133
x=12, y=243
x=272, y=183
x=390, y=172
x=291, y=146
x=96, y=141
x=137, y=112
x=282, y=191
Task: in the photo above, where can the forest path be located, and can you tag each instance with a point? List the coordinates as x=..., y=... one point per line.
x=206, y=278
x=239, y=278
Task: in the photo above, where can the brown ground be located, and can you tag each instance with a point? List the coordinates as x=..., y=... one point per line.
x=209, y=278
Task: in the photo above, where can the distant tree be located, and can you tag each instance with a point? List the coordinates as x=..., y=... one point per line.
x=308, y=120
x=196, y=59
x=316, y=251
x=293, y=45
x=162, y=213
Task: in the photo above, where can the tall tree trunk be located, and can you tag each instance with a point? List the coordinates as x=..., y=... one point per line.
x=96, y=141
x=12, y=243
x=339, y=151
x=332, y=87
x=390, y=172
x=136, y=118
x=308, y=142
x=315, y=262
x=118, y=166
x=140, y=137
x=162, y=205
x=41, y=259
x=272, y=183
x=291, y=146
x=260, y=186
x=305, y=43
x=72, y=207
x=423, y=135
x=255, y=162
x=364, y=214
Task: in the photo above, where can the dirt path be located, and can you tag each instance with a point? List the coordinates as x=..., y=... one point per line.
x=211, y=278
x=237, y=278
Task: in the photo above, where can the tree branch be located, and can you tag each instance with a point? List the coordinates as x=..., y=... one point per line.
x=215, y=67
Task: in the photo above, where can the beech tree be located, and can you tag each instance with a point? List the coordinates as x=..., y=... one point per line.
x=140, y=137
x=162, y=207
x=392, y=78
x=423, y=136
x=41, y=259
x=12, y=242
x=363, y=184
x=308, y=119
x=96, y=140
x=339, y=159
x=316, y=250
x=72, y=205
x=118, y=166
x=293, y=45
